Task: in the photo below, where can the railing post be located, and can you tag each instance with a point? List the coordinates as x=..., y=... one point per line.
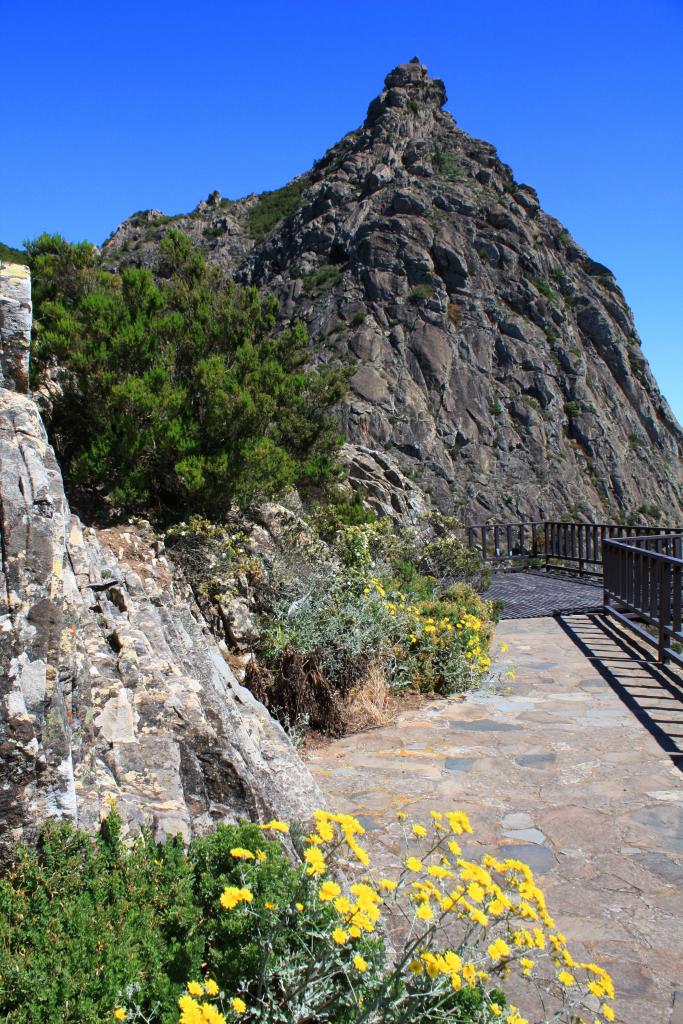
x=664, y=609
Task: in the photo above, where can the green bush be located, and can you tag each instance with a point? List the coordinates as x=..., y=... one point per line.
x=272, y=207
x=322, y=279
x=180, y=394
x=545, y=289
x=420, y=294
x=373, y=599
x=86, y=926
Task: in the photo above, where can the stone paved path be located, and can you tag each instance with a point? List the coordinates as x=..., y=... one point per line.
x=528, y=594
x=577, y=770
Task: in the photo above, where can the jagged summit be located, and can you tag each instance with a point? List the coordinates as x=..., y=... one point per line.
x=409, y=89
x=498, y=368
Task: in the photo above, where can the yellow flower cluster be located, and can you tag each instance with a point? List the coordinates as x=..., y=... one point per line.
x=194, y=1011
x=232, y=896
x=503, y=913
x=430, y=634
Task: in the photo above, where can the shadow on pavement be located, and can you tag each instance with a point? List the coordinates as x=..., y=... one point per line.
x=653, y=692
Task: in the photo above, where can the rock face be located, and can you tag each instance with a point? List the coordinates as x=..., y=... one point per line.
x=111, y=685
x=498, y=368
x=15, y=326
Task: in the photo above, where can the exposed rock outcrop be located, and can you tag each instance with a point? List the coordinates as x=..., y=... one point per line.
x=497, y=365
x=111, y=685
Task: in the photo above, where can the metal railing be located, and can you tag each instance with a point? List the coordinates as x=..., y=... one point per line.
x=643, y=583
x=641, y=568
x=576, y=547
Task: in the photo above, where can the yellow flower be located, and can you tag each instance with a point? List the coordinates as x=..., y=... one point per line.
x=275, y=826
x=270, y=906
x=475, y=892
x=415, y=967
x=386, y=883
x=299, y=906
x=413, y=864
x=343, y=905
x=195, y=989
x=359, y=963
x=355, y=932
x=436, y=871
x=210, y=1015
x=425, y=912
x=496, y=1010
x=459, y=822
x=315, y=861
x=454, y=848
x=328, y=891
x=607, y=1011
x=232, y=896
x=260, y=856
x=238, y=1005
x=211, y=988
x=504, y=648
x=401, y=815
x=119, y=1013
x=469, y=973
x=241, y=854
x=565, y=978
x=339, y=936
x=420, y=831
x=499, y=949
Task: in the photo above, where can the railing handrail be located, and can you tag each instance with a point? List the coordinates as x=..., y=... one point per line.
x=570, y=522
x=643, y=585
x=633, y=541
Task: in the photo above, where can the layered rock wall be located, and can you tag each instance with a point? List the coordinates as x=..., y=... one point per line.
x=111, y=686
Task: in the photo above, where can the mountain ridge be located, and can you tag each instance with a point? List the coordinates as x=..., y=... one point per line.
x=498, y=371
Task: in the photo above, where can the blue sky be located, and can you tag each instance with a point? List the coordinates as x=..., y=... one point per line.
x=120, y=107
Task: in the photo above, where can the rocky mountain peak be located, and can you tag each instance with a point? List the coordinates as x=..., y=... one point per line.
x=498, y=371
x=408, y=90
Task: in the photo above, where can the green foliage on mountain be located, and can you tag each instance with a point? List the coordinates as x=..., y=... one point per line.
x=272, y=207
x=9, y=254
x=177, y=393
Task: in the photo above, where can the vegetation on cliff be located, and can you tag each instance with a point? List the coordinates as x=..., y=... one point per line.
x=177, y=393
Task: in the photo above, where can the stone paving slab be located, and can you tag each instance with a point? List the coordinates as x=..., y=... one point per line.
x=529, y=594
x=576, y=770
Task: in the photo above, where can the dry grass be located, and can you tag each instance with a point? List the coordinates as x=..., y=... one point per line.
x=369, y=704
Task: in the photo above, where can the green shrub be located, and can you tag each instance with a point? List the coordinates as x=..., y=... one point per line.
x=181, y=395
x=323, y=279
x=272, y=207
x=369, y=602
x=420, y=294
x=337, y=512
x=572, y=408
x=495, y=408
x=86, y=925
x=545, y=289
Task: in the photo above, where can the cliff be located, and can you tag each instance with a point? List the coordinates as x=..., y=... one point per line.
x=498, y=369
x=111, y=685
